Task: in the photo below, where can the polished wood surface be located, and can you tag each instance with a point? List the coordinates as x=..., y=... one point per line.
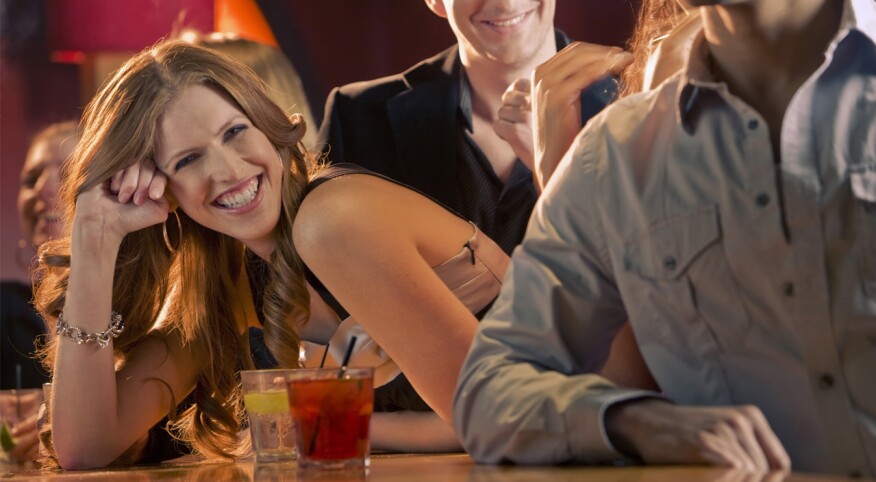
x=425, y=468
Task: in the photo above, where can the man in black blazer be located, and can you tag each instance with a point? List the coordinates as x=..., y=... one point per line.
x=443, y=126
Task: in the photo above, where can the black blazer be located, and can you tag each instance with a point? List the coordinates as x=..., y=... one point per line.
x=404, y=126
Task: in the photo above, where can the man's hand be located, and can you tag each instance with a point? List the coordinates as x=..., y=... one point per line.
x=514, y=121
x=661, y=433
x=556, y=91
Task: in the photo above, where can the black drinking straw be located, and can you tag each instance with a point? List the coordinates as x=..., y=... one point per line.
x=347, y=356
x=324, y=353
x=341, y=372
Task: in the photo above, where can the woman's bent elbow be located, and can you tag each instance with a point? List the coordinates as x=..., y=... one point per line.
x=80, y=456
x=78, y=461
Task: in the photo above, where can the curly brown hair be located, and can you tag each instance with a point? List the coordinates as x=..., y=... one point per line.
x=195, y=284
x=656, y=18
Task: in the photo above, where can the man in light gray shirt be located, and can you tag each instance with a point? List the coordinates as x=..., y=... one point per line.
x=730, y=215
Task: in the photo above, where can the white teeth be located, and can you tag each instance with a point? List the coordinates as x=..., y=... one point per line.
x=240, y=198
x=509, y=22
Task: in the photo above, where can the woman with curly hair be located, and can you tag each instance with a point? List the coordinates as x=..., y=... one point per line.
x=187, y=222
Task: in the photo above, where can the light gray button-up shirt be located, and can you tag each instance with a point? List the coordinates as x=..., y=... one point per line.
x=667, y=212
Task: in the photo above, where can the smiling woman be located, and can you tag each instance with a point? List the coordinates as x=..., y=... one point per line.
x=267, y=237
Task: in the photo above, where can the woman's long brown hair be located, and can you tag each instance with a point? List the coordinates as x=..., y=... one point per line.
x=656, y=18
x=197, y=281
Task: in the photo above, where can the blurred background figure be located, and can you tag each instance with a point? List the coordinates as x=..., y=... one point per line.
x=269, y=63
x=21, y=328
x=19, y=323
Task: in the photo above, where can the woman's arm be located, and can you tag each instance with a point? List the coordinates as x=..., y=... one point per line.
x=97, y=414
x=412, y=432
x=372, y=243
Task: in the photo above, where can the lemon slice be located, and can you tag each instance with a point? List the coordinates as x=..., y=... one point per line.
x=263, y=403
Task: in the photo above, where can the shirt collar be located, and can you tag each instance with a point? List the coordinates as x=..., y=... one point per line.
x=464, y=88
x=696, y=76
x=859, y=15
x=464, y=98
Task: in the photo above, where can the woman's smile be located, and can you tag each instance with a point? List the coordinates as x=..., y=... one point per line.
x=243, y=197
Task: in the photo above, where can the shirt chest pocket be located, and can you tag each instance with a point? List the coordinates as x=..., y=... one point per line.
x=683, y=283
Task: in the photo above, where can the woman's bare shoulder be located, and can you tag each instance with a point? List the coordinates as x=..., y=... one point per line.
x=365, y=215
x=346, y=209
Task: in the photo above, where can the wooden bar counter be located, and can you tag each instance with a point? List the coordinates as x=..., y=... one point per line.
x=413, y=468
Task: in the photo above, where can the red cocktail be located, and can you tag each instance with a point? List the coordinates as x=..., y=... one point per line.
x=331, y=411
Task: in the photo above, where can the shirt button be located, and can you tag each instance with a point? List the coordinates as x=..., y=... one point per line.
x=825, y=381
x=788, y=289
x=752, y=124
x=669, y=263
x=762, y=199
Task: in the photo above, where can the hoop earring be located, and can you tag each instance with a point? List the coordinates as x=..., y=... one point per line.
x=167, y=242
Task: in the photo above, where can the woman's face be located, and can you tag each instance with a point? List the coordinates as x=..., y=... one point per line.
x=40, y=181
x=225, y=174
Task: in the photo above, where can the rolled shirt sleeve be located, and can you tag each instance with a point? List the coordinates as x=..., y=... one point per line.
x=528, y=392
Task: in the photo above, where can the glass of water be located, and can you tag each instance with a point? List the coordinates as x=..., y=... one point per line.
x=267, y=408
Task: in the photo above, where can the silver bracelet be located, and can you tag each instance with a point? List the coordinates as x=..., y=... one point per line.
x=115, y=328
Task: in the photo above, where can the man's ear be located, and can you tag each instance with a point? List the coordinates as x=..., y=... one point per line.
x=437, y=6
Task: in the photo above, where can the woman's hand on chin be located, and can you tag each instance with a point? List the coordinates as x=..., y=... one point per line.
x=131, y=200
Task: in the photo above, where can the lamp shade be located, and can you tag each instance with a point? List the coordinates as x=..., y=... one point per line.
x=244, y=18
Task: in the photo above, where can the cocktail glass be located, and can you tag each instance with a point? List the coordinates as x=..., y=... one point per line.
x=331, y=409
